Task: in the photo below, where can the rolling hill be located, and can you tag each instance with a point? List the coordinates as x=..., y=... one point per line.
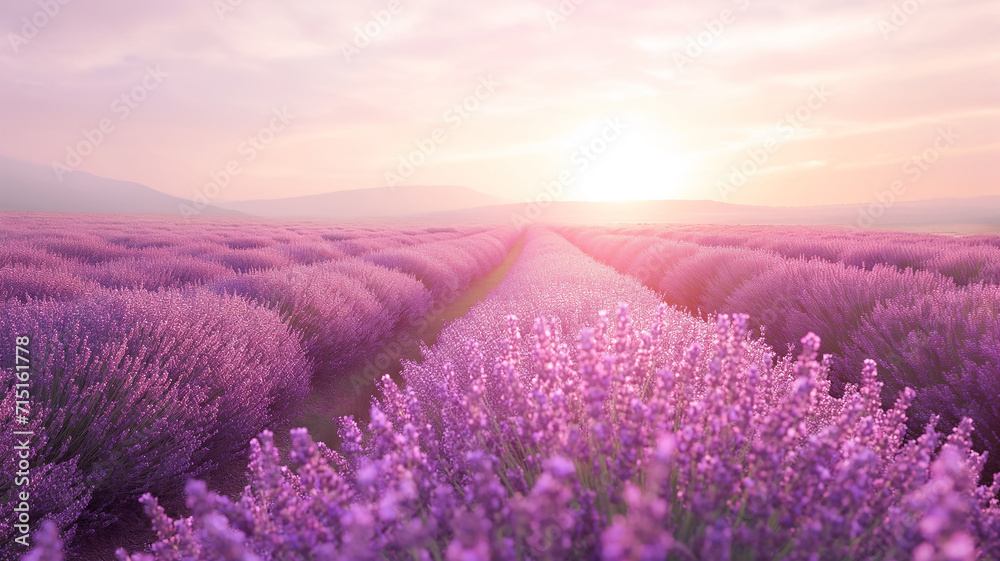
x=981, y=213
x=28, y=187
x=379, y=202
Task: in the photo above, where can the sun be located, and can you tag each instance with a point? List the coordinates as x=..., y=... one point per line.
x=638, y=166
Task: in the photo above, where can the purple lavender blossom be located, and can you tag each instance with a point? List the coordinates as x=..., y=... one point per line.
x=799, y=475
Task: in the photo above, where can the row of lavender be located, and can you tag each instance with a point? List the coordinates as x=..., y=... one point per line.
x=927, y=332
x=685, y=440
x=966, y=259
x=63, y=257
x=138, y=390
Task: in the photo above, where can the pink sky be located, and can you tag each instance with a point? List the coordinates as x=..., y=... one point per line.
x=928, y=88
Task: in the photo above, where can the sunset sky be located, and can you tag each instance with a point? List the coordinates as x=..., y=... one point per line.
x=818, y=102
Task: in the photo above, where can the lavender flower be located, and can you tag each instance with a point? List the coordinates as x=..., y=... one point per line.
x=805, y=476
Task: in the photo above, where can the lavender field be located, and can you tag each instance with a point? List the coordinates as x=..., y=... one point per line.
x=230, y=388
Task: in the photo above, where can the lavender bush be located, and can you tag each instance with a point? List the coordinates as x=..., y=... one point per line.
x=309, y=253
x=135, y=391
x=787, y=296
x=551, y=278
x=601, y=453
x=946, y=344
x=14, y=253
x=245, y=260
x=153, y=269
x=933, y=335
x=967, y=260
x=447, y=267
x=24, y=283
x=58, y=489
x=704, y=280
x=82, y=247
x=346, y=309
x=831, y=298
x=338, y=315
x=103, y=240
x=689, y=440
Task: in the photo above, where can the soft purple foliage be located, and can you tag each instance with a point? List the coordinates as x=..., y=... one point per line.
x=48, y=545
x=339, y=315
x=82, y=247
x=947, y=345
x=248, y=242
x=21, y=283
x=791, y=295
x=831, y=297
x=447, y=267
x=601, y=453
x=162, y=347
x=308, y=253
x=21, y=253
x=345, y=310
x=932, y=335
x=553, y=279
x=57, y=488
x=152, y=269
x=136, y=391
x=703, y=280
x=967, y=260
x=787, y=296
x=247, y=260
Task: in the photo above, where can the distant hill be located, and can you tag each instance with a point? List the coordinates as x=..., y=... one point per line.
x=979, y=211
x=34, y=188
x=380, y=202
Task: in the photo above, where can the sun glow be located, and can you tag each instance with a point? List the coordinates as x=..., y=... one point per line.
x=638, y=166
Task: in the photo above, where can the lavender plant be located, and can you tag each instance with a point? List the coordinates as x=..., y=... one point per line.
x=136, y=391
x=787, y=296
x=603, y=453
x=309, y=253
x=23, y=283
x=932, y=335
x=945, y=345
x=247, y=260
x=339, y=314
x=447, y=267
x=153, y=269
x=967, y=260
x=83, y=247
x=14, y=253
x=830, y=298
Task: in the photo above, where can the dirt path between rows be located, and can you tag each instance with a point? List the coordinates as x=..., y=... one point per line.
x=351, y=393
